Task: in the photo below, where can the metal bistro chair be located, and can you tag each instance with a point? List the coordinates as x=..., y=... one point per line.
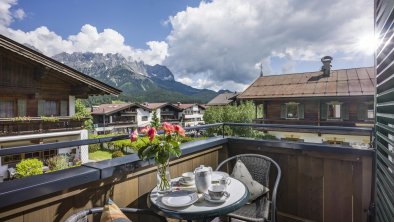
x=259, y=168
x=82, y=215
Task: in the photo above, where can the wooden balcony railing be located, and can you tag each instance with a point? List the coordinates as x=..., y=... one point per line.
x=10, y=126
x=319, y=182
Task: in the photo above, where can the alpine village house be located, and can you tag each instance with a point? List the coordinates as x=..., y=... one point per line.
x=122, y=118
x=325, y=98
x=37, y=103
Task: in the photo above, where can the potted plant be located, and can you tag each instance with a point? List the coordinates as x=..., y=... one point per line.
x=161, y=147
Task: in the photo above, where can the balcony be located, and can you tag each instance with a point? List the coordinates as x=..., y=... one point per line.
x=10, y=126
x=320, y=182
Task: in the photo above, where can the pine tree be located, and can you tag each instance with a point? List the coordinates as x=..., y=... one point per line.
x=155, y=120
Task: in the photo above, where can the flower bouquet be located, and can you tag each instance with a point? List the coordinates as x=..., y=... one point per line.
x=161, y=148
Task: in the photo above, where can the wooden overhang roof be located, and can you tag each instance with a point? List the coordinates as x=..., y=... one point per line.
x=107, y=109
x=48, y=62
x=342, y=82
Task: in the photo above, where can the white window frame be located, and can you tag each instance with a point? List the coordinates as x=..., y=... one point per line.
x=335, y=103
x=298, y=110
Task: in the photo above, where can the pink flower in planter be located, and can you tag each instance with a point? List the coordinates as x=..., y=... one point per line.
x=179, y=130
x=134, y=136
x=168, y=128
x=152, y=134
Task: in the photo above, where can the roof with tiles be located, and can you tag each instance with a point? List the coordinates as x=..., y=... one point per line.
x=342, y=82
x=109, y=108
x=223, y=99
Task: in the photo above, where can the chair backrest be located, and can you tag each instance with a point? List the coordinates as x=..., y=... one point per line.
x=259, y=167
x=81, y=216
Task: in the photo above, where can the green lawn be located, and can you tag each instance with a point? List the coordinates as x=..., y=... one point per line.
x=100, y=155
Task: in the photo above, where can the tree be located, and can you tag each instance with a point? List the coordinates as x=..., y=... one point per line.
x=243, y=113
x=82, y=113
x=155, y=120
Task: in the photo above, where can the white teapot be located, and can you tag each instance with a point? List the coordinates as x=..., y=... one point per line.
x=203, y=178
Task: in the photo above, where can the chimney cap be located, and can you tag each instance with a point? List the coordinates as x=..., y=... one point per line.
x=326, y=68
x=326, y=59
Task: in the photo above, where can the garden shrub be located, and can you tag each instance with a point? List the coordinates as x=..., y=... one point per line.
x=58, y=162
x=29, y=167
x=117, y=154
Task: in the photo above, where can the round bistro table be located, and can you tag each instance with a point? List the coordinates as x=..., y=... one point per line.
x=202, y=209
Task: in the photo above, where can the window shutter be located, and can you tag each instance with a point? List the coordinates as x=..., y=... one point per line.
x=301, y=111
x=283, y=111
x=344, y=111
x=63, y=108
x=323, y=111
x=40, y=107
x=21, y=107
x=362, y=111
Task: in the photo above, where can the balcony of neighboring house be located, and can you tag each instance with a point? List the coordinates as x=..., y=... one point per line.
x=170, y=118
x=320, y=182
x=122, y=120
x=32, y=125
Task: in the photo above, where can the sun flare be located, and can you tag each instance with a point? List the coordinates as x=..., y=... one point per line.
x=367, y=43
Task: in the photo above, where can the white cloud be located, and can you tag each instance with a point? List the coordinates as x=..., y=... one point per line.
x=89, y=39
x=19, y=14
x=221, y=41
x=5, y=12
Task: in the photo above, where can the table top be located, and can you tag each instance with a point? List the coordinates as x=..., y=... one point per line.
x=239, y=195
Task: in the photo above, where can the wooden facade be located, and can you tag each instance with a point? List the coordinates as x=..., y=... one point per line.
x=313, y=111
x=33, y=85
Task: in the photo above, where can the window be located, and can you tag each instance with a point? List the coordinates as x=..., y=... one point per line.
x=370, y=111
x=12, y=159
x=292, y=111
x=334, y=111
x=50, y=108
x=6, y=108
x=144, y=118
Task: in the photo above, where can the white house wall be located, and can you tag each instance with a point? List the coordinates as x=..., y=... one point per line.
x=142, y=112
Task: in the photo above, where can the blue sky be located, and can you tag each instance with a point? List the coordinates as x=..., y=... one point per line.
x=138, y=21
x=217, y=44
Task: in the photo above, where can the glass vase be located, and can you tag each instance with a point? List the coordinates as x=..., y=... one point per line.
x=163, y=177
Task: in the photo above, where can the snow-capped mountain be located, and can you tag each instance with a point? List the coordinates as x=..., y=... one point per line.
x=138, y=81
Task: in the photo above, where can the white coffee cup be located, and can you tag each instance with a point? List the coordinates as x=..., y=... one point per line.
x=188, y=177
x=224, y=181
x=216, y=192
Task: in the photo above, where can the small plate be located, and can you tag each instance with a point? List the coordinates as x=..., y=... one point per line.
x=182, y=182
x=217, y=175
x=180, y=198
x=221, y=200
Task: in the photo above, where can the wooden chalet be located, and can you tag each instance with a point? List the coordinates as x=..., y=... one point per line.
x=117, y=118
x=166, y=112
x=342, y=97
x=37, y=100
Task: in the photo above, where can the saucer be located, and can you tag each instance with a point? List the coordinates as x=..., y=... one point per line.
x=221, y=200
x=185, y=183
